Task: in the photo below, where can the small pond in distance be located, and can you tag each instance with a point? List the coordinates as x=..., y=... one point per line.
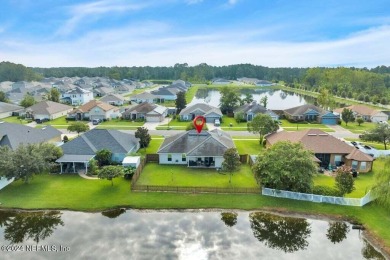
x=133, y=234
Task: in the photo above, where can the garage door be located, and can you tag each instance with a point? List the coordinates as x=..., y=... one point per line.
x=153, y=119
x=96, y=117
x=329, y=121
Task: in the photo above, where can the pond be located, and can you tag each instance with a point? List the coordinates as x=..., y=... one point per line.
x=277, y=99
x=134, y=234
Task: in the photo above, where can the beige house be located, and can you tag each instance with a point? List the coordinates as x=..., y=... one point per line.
x=328, y=150
x=367, y=113
x=94, y=109
x=47, y=110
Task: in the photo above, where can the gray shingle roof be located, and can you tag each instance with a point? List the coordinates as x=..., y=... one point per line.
x=7, y=107
x=112, y=97
x=206, y=108
x=251, y=107
x=49, y=107
x=211, y=143
x=300, y=110
x=13, y=135
x=98, y=139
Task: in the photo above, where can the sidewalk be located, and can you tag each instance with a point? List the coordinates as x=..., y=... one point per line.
x=83, y=175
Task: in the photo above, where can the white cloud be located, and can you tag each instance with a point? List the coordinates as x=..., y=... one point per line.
x=232, y=2
x=94, y=10
x=151, y=43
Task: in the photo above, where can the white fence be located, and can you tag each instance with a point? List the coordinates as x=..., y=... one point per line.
x=4, y=182
x=318, y=198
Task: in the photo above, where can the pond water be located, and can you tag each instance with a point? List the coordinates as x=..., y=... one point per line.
x=132, y=234
x=277, y=99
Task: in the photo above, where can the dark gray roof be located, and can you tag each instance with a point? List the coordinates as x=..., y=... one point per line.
x=98, y=139
x=300, y=110
x=13, y=135
x=207, y=143
x=7, y=107
x=251, y=107
x=112, y=98
x=164, y=91
x=206, y=108
x=77, y=90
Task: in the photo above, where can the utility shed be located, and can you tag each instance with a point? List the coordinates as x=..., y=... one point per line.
x=131, y=161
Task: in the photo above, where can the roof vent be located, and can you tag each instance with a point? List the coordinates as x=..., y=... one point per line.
x=323, y=134
x=312, y=134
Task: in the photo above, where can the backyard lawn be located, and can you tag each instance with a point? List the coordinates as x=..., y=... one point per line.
x=177, y=175
x=153, y=146
x=250, y=146
x=226, y=121
x=174, y=124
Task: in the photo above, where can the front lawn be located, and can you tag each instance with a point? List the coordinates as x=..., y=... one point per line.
x=177, y=175
x=120, y=124
x=14, y=119
x=226, y=121
x=290, y=126
x=356, y=129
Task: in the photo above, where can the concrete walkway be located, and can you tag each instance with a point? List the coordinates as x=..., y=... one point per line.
x=83, y=175
x=153, y=125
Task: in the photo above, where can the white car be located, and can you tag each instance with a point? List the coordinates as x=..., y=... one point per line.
x=217, y=122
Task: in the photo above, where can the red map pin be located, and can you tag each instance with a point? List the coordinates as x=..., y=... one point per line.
x=199, y=123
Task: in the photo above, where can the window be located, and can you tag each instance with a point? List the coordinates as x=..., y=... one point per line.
x=363, y=166
x=183, y=157
x=354, y=164
x=169, y=157
x=337, y=160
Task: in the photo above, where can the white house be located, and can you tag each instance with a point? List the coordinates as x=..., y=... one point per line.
x=202, y=150
x=143, y=97
x=367, y=113
x=201, y=109
x=113, y=99
x=77, y=96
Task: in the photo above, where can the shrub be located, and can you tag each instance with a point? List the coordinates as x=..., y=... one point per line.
x=326, y=191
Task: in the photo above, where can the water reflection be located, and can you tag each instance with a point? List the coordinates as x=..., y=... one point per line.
x=369, y=252
x=177, y=235
x=229, y=218
x=21, y=226
x=337, y=231
x=284, y=233
x=113, y=213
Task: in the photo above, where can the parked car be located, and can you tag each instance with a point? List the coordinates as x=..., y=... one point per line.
x=96, y=121
x=217, y=122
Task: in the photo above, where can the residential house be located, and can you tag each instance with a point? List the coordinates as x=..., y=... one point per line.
x=94, y=109
x=79, y=151
x=203, y=150
x=309, y=113
x=143, y=97
x=47, y=110
x=250, y=110
x=7, y=109
x=13, y=135
x=165, y=93
x=328, y=150
x=263, y=83
x=113, y=99
x=77, y=96
x=146, y=111
x=368, y=114
x=201, y=109
x=102, y=91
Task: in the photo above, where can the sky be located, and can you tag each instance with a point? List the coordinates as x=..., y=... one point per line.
x=273, y=33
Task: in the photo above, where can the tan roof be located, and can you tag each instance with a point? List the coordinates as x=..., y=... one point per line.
x=360, y=109
x=49, y=107
x=319, y=142
x=91, y=104
x=359, y=156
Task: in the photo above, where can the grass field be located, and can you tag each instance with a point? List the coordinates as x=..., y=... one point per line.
x=120, y=124
x=153, y=146
x=191, y=93
x=14, y=119
x=248, y=146
x=289, y=126
x=376, y=145
x=168, y=175
x=355, y=128
x=226, y=121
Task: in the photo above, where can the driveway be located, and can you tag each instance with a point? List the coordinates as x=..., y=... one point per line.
x=341, y=132
x=153, y=125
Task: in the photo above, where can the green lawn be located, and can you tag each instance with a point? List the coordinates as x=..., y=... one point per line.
x=248, y=146
x=226, y=121
x=177, y=175
x=14, y=119
x=191, y=93
x=355, y=128
x=120, y=124
x=153, y=146
x=289, y=126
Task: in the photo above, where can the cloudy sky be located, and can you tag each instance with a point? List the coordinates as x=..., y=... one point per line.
x=280, y=33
